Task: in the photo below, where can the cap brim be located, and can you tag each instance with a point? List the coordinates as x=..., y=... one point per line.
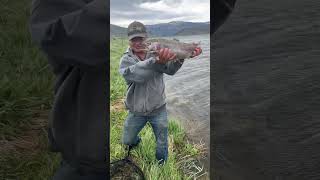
x=137, y=35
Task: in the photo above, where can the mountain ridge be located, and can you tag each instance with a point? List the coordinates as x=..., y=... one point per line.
x=172, y=28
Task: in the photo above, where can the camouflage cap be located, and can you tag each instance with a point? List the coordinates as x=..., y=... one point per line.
x=136, y=29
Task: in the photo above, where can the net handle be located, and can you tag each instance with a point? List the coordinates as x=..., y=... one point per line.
x=128, y=153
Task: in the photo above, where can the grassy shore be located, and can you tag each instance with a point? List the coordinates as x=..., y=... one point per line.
x=25, y=98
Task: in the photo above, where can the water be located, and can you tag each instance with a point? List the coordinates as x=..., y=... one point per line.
x=188, y=93
x=266, y=93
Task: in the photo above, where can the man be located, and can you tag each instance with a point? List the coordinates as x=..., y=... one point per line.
x=146, y=89
x=74, y=36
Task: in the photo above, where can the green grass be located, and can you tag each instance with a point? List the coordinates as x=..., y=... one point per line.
x=181, y=153
x=27, y=165
x=25, y=81
x=26, y=94
x=118, y=85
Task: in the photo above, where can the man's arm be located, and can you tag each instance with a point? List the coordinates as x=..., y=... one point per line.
x=221, y=10
x=138, y=72
x=73, y=30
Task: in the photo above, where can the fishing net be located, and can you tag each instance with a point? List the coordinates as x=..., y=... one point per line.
x=125, y=169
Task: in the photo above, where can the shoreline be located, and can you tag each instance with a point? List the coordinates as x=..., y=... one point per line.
x=203, y=159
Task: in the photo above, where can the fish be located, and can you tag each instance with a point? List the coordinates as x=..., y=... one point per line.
x=181, y=49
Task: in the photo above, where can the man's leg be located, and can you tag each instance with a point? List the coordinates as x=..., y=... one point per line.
x=132, y=127
x=159, y=125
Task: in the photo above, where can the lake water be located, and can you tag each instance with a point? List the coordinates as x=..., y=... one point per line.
x=188, y=93
x=266, y=94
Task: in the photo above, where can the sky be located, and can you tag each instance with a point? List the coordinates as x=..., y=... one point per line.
x=123, y=12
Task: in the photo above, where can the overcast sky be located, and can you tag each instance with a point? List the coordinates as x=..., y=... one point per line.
x=158, y=11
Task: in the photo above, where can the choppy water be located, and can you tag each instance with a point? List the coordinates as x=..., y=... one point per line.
x=266, y=59
x=188, y=92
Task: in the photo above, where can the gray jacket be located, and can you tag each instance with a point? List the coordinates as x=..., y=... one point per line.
x=146, y=88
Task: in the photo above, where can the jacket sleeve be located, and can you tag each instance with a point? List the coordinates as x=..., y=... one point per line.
x=138, y=72
x=75, y=32
x=170, y=67
x=221, y=11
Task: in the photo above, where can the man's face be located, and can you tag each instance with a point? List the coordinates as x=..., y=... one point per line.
x=137, y=44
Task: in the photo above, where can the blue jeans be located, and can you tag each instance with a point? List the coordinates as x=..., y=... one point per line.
x=159, y=122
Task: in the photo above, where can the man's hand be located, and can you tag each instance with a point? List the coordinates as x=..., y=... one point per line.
x=196, y=52
x=165, y=55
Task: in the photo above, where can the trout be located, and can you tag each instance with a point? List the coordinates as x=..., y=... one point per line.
x=181, y=49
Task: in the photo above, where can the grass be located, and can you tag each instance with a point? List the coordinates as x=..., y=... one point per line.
x=26, y=94
x=29, y=165
x=25, y=82
x=181, y=161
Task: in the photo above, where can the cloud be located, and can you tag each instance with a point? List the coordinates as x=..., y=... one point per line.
x=158, y=11
x=162, y=6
